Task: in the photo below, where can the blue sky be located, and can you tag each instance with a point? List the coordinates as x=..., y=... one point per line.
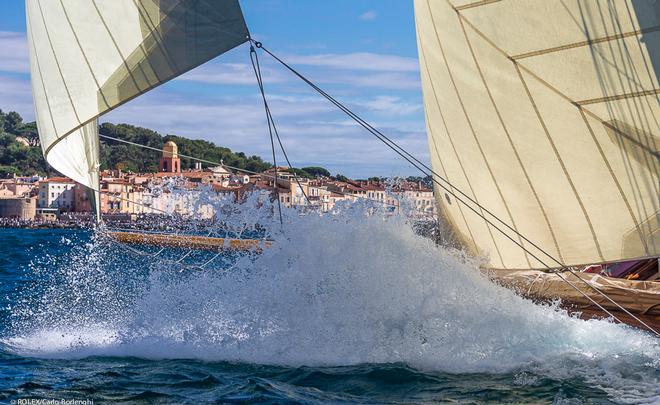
x=363, y=52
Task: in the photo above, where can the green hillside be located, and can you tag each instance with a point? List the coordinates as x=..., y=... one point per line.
x=20, y=152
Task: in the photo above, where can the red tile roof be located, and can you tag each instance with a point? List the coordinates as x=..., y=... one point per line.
x=57, y=180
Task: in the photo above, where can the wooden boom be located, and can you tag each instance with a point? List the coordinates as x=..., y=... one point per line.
x=189, y=241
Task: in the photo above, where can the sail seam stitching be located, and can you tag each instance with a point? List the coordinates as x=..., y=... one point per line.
x=508, y=136
x=616, y=181
x=131, y=98
x=73, y=31
x=435, y=146
x=460, y=163
x=476, y=4
x=492, y=174
x=114, y=42
x=467, y=178
x=142, y=11
x=472, y=130
x=557, y=91
x=559, y=159
x=460, y=208
x=57, y=63
x=619, y=97
x=41, y=77
x=585, y=43
x=620, y=49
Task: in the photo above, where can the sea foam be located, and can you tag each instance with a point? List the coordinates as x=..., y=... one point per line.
x=354, y=286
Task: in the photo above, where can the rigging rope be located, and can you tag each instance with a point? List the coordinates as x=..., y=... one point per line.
x=434, y=176
x=257, y=72
x=270, y=131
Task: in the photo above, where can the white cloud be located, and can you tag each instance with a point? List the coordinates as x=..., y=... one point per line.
x=232, y=74
x=368, y=15
x=354, y=69
x=16, y=95
x=384, y=81
x=14, y=52
x=358, y=61
x=391, y=105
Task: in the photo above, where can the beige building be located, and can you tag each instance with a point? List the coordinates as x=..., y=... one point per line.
x=16, y=187
x=18, y=207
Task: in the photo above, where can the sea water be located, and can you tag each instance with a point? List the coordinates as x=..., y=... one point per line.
x=347, y=307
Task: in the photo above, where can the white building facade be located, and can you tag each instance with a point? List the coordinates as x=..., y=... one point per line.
x=57, y=193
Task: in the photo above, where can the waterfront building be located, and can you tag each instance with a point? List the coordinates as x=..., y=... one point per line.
x=114, y=196
x=17, y=187
x=81, y=199
x=24, y=208
x=57, y=193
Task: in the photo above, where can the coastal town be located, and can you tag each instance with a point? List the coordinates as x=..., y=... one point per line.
x=126, y=195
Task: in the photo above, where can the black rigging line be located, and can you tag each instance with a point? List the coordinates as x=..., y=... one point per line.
x=257, y=73
x=269, y=116
x=421, y=166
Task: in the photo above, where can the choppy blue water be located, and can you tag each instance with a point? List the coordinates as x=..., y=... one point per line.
x=335, y=313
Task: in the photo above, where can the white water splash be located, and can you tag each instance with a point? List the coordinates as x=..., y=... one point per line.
x=338, y=289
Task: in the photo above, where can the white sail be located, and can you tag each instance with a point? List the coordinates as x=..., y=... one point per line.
x=90, y=56
x=546, y=112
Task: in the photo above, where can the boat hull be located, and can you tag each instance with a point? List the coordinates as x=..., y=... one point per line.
x=641, y=298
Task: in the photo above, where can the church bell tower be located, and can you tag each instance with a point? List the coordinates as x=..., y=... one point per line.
x=170, y=162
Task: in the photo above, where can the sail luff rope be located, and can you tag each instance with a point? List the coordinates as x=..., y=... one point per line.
x=269, y=116
x=411, y=159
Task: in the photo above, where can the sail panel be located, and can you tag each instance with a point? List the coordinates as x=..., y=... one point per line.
x=546, y=113
x=90, y=56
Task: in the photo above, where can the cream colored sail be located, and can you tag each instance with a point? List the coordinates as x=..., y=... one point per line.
x=89, y=56
x=546, y=112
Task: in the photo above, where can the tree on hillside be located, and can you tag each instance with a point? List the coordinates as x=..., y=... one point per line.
x=316, y=171
x=301, y=173
x=6, y=140
x=30, y=133
x=341, y=177
x=8, y=171
x=13, y=122
x=29, y=160
x=138, y=159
